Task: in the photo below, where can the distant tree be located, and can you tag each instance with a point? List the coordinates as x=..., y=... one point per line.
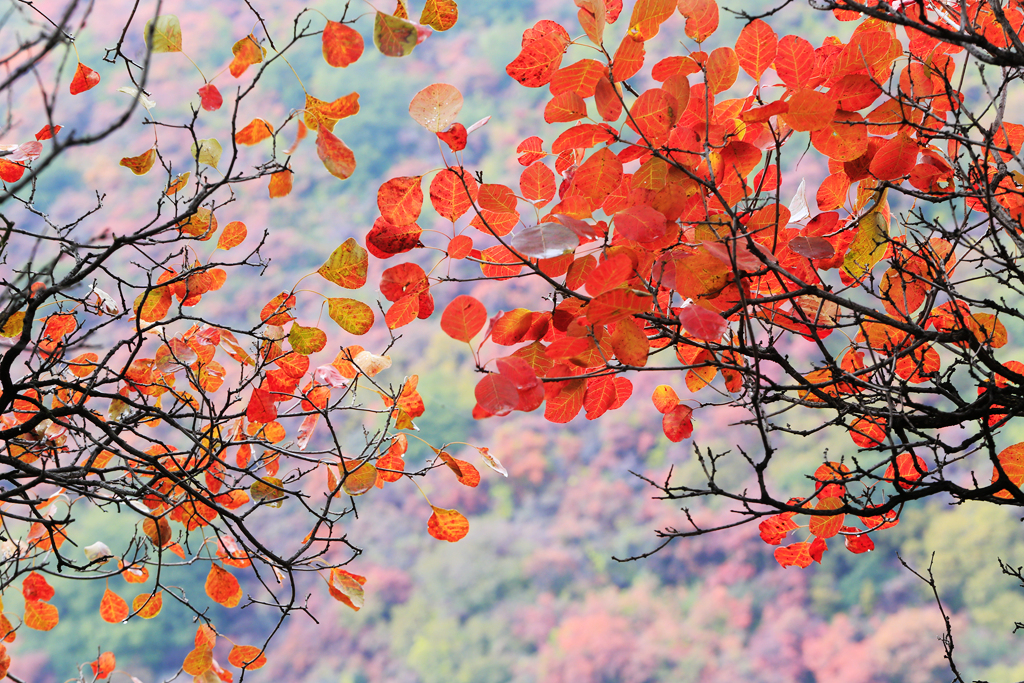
x=117, y=390
x=882, y=306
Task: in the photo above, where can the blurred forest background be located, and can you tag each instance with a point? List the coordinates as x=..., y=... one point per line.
x=532, y=594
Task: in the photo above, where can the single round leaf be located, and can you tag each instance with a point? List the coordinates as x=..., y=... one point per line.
x=248, y=657
x=463, y=318
x=497, y=394
x=394, y=37
x=163, y=34
x=436, y=106
x=447, y=525
x=361, y=477
x=40, y=616
x=342, y=44
x=113, y=608
x=148, y=605
x=306, y=340
x=223, y=587
x=353, y=316
x=702, y=323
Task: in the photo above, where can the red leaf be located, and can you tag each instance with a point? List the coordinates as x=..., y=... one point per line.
x=35, y=587
x=775, y=528
x=463, y=318
x=678, y=423
x=400, y=200
x=455, y=137
x=702, y=323
x=85, y=79
x=857, y=541
x=210, y=98
x=641, y=223
x=497, y=394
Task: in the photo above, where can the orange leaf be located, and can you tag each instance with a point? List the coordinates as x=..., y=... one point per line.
x=246, y=52
x=809, y=110
x=665, y=398
x=247, y=657
x=447, y=525
x=795, y=554
x=541, y=54
x=648, y=16
x=222, y=587
x=580, y=78
x=40, y=616
x=452, y=192
x=337, y=158
x=827, y=526
x=104, y=665
x=257, y=131
x=234, y=233
x=141, y=164
x=701, y=18
x=85, y=79
x=113, y=608
x=400, y=200
x=342, y=45
x=198, y=661
x=1012, y=461
x=756, y=48
x=280, y=184
x=721, y=69
x=148, y=605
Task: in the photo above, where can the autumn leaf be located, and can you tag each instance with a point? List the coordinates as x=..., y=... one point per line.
x=440, y=15
x=1011, y=459
x=394, y=37
x=400, y=200
x=207, y=151
x=113, y=608
x=247, y=52
x=337, y=158
x=447, y=525
x=84, y=79
x=163, y=34
x=256, y=131
x=210, y=98
x=346, y=265
x=342, y=44
x=247, y=657
x=463, y=318
x=359, y=477
x=148, y=605
x=436, y=106
x=353, y=316
x=40, y=616
x=141, y=164
x=104, y=665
